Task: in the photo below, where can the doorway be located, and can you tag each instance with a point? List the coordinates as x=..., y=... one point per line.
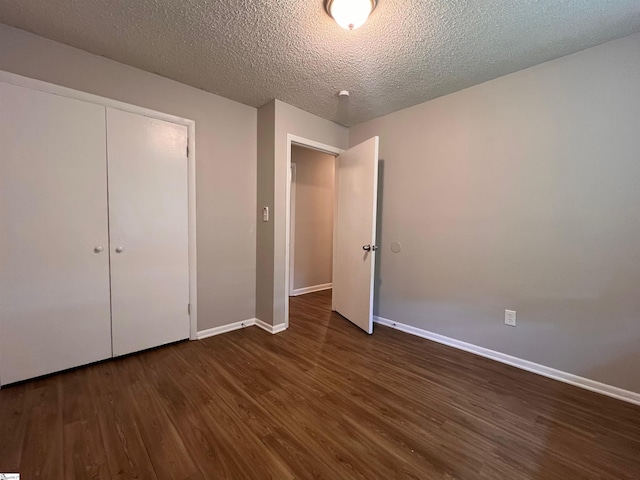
x=312, y=217
x=313, y=146
x=354, y=229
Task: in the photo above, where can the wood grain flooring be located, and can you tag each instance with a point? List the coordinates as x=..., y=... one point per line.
x=321, y=400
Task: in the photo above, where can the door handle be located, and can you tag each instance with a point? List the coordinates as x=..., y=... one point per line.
x=119, y=249
x=369, y=248
x=97, y=248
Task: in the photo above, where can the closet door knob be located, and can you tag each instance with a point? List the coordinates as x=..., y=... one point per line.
x=97, y=248
x=119, y=249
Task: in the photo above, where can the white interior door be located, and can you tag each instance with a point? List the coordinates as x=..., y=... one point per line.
x=54, y=267
x=148, y=227
x=355, y=233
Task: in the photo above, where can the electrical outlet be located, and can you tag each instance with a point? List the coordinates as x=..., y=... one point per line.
x=510, y=318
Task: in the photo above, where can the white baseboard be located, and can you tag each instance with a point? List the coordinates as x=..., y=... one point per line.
x=271, y=328
x=315, y=288
x=242, y=324
x=586, y=383
x=210, y=332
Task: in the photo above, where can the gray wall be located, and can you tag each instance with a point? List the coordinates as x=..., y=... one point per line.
x=272, y=182
x=521, y=193
x=313, y=226
x=226, y=160
x=264, y=230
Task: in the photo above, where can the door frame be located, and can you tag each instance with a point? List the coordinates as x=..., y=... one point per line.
x=312, y=145
x=292, y=235
x=20, y=81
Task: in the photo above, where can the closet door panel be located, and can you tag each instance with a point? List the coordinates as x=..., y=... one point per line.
x=54, y=288
x=148, y=221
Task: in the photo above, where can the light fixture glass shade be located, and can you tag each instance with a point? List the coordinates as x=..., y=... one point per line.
x=350, y=14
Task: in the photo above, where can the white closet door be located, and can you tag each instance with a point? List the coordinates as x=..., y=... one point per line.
x=148, y=225
x=54, y=267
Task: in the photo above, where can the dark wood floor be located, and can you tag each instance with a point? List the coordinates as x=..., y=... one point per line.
x=321, y=400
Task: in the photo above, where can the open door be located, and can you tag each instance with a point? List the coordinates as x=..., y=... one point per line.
x=355, y=233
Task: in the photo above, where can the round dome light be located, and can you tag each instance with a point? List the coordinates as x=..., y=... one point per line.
x=350, y=14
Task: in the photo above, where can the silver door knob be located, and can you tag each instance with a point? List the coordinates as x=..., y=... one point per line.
x=119, y=249
x=366, y=248
x=97, y=248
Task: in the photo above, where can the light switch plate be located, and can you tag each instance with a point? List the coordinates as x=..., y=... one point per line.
x=510, y=318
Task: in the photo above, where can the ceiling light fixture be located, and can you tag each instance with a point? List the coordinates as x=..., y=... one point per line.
x=350, y=14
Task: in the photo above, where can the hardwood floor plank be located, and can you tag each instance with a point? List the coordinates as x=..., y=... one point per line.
x=167, y=451
x=201, y=416
x=15, y=411
x=84, y=452
x=84, y=455
x=333, y=440
x=302, y=461
x=223, y=390
x=43, y=446
x=124, y=448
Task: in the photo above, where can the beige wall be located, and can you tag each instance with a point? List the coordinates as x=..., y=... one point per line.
x=284, y=119
x=313, y=226
x=521, y=193
x=226, y=160
x=264, y=230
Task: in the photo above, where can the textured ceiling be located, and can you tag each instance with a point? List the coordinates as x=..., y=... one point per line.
x=252, y=51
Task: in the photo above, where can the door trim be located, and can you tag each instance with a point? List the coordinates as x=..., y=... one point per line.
x=292, y=233
x=20, y=81
x=313, y=145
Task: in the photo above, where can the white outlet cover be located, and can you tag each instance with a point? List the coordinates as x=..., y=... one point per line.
x=510, y=317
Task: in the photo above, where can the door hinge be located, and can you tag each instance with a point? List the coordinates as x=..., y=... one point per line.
x=187, y=151
x=189, y=308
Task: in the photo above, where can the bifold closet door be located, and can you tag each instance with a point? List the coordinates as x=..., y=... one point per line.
x=54, y=267
x=148, y=228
